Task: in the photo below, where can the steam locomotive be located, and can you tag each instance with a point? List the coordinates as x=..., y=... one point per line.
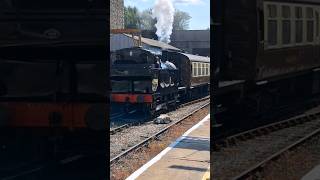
x=150, y=82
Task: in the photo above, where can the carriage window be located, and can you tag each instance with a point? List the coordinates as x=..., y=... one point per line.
x=310, y=24
x=286, y=12
x=194, y=69
x=272, y=26
x=299, y=24
x=272, y=9
x=298, y=12
x=207, y=69
x=272, y=32
x=203, y=69
x=317, y=24
x=199, y=69
x=309, y=13
x=286, y=25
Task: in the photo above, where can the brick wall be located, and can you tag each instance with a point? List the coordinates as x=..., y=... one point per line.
x=116, y=14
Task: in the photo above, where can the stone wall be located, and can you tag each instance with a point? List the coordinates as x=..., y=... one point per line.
x=116, y=14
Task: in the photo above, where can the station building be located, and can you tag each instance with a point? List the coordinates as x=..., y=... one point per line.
x=192, y=41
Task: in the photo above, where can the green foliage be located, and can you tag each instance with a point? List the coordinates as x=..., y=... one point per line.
x=181, y=20
x=131, y=18
x=147, y=22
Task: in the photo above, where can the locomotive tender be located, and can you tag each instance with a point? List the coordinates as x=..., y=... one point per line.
x=152, y=81
x=271, y=52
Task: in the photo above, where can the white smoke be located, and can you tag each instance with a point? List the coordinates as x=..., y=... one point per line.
x=163, y=11
x=188, y=1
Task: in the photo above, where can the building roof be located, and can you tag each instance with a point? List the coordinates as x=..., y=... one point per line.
x=197, y=58
x=190, y=35
x=155, y=43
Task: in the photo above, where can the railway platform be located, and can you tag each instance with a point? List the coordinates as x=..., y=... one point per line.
x=314, y=174
x=186, y=158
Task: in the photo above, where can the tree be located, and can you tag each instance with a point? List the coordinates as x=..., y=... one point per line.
x=131, y=18
x=147, y=22
x=181, y=20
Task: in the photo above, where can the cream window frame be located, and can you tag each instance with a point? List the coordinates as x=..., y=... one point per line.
x=303, y=25
x=306, y=23
x=194, y=69
x=279, y=19
x=317, y=24
x=292, y=25
x=266, y=19
x=207, y=69
x=203, y=69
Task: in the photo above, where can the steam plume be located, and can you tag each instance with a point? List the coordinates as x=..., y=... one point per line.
x=163, y=11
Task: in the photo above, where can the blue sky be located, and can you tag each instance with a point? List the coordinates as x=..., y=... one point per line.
x=199, y=10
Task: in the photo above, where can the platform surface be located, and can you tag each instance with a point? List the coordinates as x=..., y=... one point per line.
x=314, y=174
x=187, y=158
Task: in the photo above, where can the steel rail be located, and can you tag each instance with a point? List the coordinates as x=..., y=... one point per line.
x=154, y=136
x=118, y=129
x=266, y=129
x=259, y=167
x=122, y=127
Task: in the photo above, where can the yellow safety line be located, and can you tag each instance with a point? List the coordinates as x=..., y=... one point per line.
x=206, y=175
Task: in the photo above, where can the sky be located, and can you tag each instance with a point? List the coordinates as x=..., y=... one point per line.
x=199, y=10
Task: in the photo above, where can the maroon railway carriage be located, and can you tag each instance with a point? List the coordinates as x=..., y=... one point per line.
x=271, y=51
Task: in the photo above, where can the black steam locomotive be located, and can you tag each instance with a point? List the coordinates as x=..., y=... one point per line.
x=147, y=81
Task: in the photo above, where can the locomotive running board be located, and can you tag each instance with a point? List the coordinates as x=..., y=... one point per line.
x=261, y=83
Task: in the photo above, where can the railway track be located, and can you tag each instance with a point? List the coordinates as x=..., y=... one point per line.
x=263, y=130
x=120, y=128
x=127, y=125
x=267, y=143
x=252, y=171
x=155, y=136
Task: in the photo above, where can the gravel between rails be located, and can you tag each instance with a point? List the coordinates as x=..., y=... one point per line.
x=231, y=161
x=130, y=136
x=295, y=164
